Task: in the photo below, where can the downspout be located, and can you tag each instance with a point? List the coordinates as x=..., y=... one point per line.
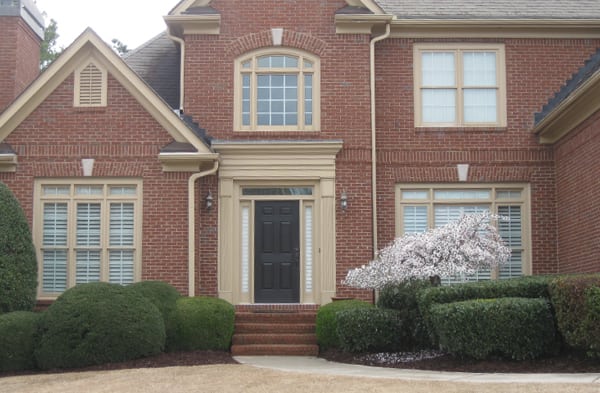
x=181, y=68
x=374, y=136
x=192, y=226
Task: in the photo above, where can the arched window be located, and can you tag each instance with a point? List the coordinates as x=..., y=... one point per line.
x=277, y=91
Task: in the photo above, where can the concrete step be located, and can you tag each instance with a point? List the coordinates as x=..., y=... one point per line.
x=275, y=339
x=275, y=350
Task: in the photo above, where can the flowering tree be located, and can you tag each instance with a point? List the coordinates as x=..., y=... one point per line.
x=463, y=247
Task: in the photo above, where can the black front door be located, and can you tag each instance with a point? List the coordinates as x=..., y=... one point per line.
x=277, y=252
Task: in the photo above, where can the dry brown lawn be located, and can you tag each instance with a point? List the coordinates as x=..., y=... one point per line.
x=241, y=378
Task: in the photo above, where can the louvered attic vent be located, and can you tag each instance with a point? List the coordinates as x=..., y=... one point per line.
x=91, y=86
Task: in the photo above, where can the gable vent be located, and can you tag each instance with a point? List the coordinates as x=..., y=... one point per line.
x=92, y=86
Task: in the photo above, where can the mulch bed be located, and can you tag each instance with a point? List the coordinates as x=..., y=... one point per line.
x=556, y=364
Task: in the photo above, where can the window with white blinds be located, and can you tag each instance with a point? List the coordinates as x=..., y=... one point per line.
x=421, y=208
x=89, y=234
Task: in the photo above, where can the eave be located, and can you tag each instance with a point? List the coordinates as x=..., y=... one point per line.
x=8, y=162
x=180, y=25
x=572, y=111
x=359, y=24
x=186, y=162
x=495, y=28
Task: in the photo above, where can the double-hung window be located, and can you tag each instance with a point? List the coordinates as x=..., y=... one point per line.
x=420, y=207
x=86, y=232
x=460, y=85
x=277, y=91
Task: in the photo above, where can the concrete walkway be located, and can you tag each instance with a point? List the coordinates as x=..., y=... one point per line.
x=314, y=365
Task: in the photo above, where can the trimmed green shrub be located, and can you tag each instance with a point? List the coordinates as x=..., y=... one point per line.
x=161, y=294
x=591, y=323
x=202, y=323
x=17, y=340
x=327, y=336
x=568, y=297
x=526, y=287
x=513, y=328
x=18, y=265
x=403, y=298
x=371, y=330
x=98, y=323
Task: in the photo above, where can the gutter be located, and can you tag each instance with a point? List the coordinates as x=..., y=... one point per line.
x=374, y=136
x=192, y=226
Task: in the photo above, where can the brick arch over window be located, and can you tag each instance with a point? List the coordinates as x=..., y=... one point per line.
x=291, y=39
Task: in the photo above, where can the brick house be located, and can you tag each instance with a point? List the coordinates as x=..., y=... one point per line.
x=257, y=150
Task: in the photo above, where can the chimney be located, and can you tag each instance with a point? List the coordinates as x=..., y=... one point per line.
x=21, y=33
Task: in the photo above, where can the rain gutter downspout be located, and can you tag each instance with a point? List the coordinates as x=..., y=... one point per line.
x=374, y=136
x=192, y=226
x=181, y=68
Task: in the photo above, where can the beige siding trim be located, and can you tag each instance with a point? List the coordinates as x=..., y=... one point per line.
x=8, y=162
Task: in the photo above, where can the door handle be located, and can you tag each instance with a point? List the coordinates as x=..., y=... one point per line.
x=296, y=254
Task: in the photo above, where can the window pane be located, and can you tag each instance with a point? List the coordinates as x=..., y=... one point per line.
x=123, y=190
x=438, y=69
x=415, y=219
x=56, y=190
x=291, y=62
x=308, y=249
x=509, y=226
x=479, y=68
x=245, y=249
x=121, y=224
x=88, y=190
x=307, y=64
x=508, y=194
x=462, y=194
x=480, y=105
x=446, y=214
x=54, y=274
x=439, y=105
x=88, y=224
x=415, y=194
x=87, y=266
x=55, y=224
x=277, y=191
x=120, y=269
x=514, y=267
x=247, y=64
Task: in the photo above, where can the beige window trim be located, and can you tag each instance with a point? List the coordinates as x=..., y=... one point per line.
x=90, y=85
x=520, y=197
x=71, y=199
x=458, y=49
x=254, y=71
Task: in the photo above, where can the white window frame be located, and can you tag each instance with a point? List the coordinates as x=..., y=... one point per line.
x=458, y=49
x=254, y=71
x=71, y=199
x=494, y=202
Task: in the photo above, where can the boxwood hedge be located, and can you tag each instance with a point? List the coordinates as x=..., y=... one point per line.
x=372, y=330
x=17, y=340
x=327, y=335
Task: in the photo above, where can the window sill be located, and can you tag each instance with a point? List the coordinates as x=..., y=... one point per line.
x=461, y=129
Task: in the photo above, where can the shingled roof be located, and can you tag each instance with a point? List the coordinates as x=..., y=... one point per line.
x=157, y=62
x=492, y=9
x=591, y=67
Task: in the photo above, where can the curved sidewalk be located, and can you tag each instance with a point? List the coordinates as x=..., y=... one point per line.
x=314, y=365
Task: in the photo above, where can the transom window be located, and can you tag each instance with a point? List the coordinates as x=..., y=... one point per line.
x=460, y=85
x=422, y=207
x=277, y=92
x=87, y=232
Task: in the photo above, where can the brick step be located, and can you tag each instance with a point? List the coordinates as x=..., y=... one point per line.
x=275, y=350
x=270, y=328
x=275, y=318
x=276, y=339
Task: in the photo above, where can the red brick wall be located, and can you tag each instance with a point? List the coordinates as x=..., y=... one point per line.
x=125, y=142
x=535, y=69
x=308, y=25
x=578, y=204
x=19, y=58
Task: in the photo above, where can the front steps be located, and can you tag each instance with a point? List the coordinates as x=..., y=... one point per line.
x=281, y=330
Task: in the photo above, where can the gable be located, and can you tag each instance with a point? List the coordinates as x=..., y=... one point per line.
x=90, y=49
